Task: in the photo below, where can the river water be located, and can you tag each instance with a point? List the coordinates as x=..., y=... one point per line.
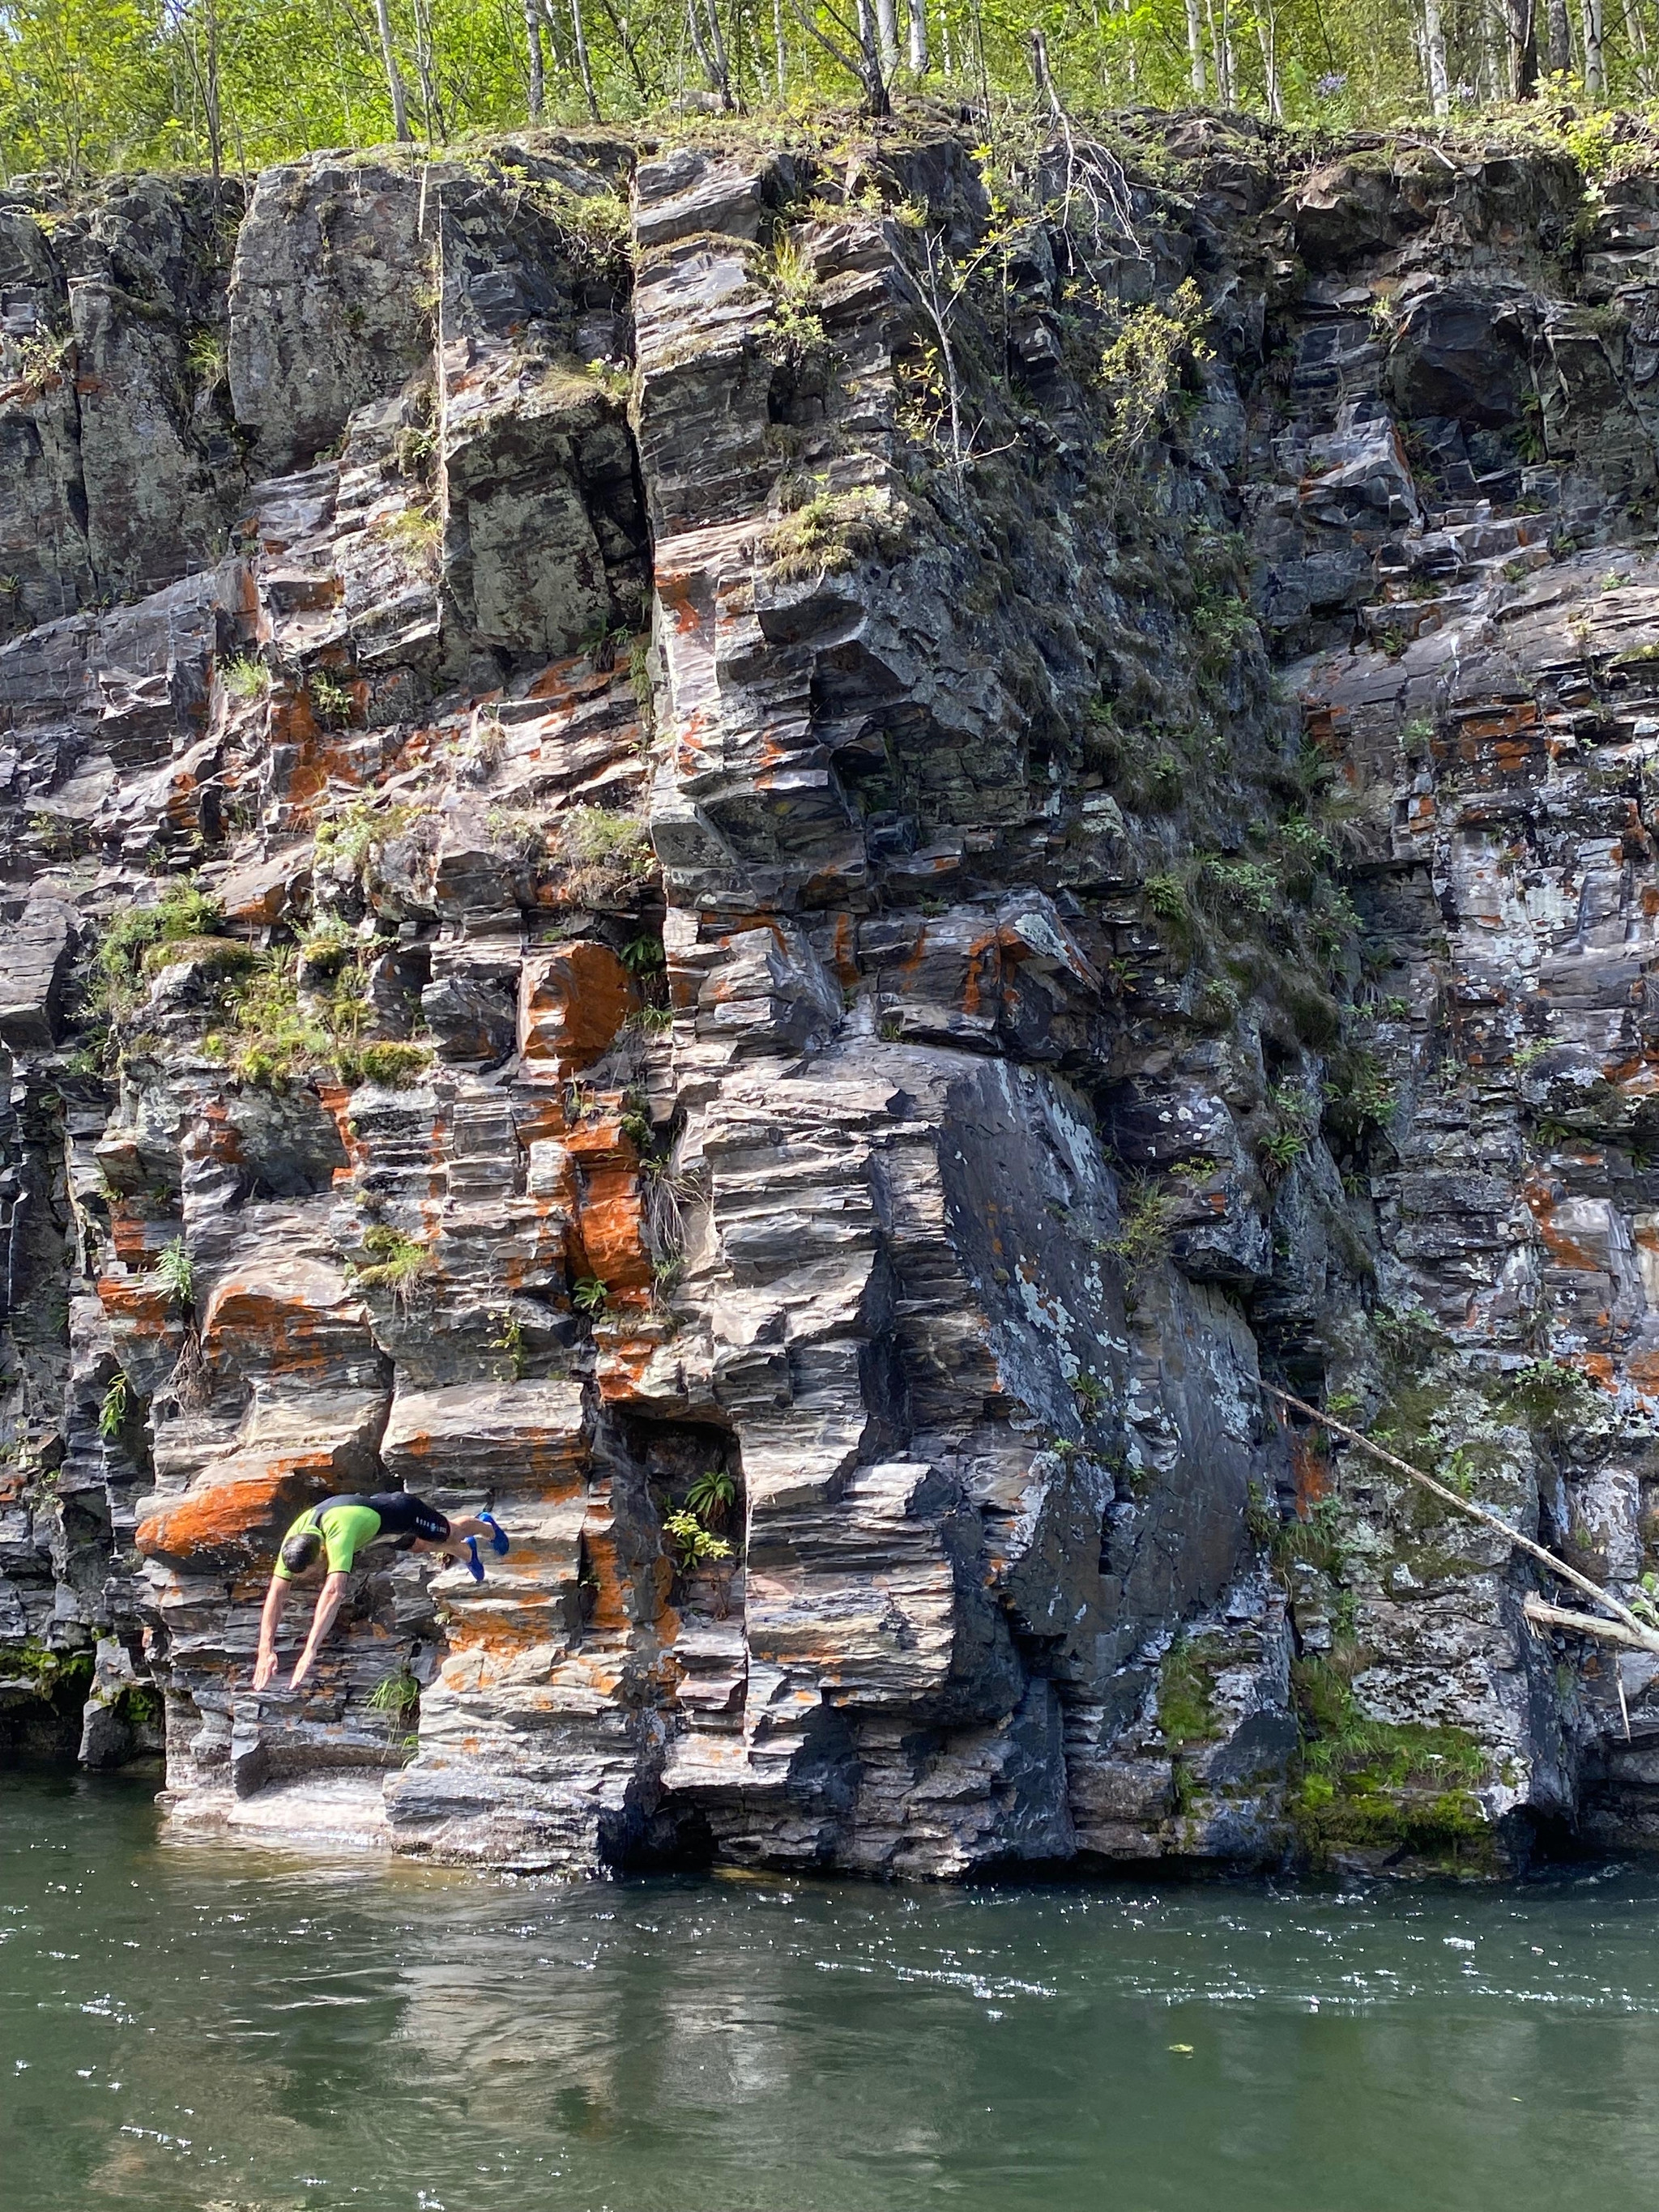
x=204, y=2027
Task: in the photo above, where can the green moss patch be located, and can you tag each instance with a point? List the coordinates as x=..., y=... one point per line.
x=1397, y=1789
x=1186, y=1698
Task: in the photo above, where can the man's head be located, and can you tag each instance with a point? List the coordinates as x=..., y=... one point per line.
x=300, y=1553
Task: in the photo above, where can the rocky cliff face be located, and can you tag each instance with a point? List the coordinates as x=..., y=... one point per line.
x=717, y=843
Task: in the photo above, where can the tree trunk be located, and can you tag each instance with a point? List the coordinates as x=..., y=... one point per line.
x=1195, y=49
x=431, y=107
x=876, y=101
x=1596, y=64
x=205, y=77
x=1266, y=32
x=1636, y=33
x=626, y=40
x=918, y=14
x=710, y=45
x=1218, y=73
x=1557, y=39
x=210, y=99
x=1434, y=58
x=1045, y=84
x=583, y=66
x=395, y=83
x=532, y=27
x=887, y=36
x=1227, y=69
x=1520, y=22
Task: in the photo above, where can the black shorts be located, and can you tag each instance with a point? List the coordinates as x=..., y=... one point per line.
x=405, y=1517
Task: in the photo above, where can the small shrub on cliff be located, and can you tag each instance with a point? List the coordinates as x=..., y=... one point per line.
x=333, y=703
x=693, y=1545
x=1247, y=886
x=590, y=1296
x=207, y=359
x=665, y=1196
x=397, y=1693
x=415, y=533
x=1279, y=1151
x=830, y=532
x=217, y=956
x=395, y=1262
x=595, y=228
x=181, y=912
x=506, y=1336
x=1140, y=371
x=388, y=1064
x=1143, y=1233
x=113, y=1411
x=358, y=829
x=644, y=955
x=324, y=951
x=711, y=1496
x=178, y=1272
x=271, y=1040
x=793, y=332
x=244, y=677
x=1360, y=1098
x=39, y=365
x=606, y=853
x=1554, y=1396
x=1167, y=901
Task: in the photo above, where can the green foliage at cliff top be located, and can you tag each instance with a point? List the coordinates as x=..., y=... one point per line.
x=93, y=85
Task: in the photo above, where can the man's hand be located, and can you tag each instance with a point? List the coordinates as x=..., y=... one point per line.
x=265, y=1670
x=301, y=1671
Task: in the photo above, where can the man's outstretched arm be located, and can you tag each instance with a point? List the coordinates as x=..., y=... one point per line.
x=328, y=1604
x=276, y=1598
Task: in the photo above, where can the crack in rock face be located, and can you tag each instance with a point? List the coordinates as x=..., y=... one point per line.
x=786, y=937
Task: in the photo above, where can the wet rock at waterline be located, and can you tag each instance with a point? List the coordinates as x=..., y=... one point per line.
x=602, y=916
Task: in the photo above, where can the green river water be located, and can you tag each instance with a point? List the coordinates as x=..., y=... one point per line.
x=195, y=2025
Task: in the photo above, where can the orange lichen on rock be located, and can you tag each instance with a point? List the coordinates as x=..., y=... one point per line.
x=1541, y=1199
x=145, y=1308
x=572, y=1002
x=1311, y=1469
x=609, y=1609
x=234, y=1524
x=608, y=1234
x=136, y=1237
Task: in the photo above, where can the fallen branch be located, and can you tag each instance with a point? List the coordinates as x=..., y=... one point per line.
x=1643, y=1637
x=1582, y=1624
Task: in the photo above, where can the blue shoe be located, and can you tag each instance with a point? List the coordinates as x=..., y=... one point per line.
x=474, y=1564
x=497, y=1534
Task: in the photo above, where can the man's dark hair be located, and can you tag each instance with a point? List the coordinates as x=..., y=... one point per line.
x=300, y=1552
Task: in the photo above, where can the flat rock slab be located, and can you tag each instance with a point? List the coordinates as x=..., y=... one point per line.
x=339, y=1812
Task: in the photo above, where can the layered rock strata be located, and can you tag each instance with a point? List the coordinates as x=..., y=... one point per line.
x=779, y=868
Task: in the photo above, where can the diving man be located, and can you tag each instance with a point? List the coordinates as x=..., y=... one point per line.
x=338, y=1529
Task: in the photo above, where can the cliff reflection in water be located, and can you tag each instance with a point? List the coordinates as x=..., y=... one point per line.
x=195, y=2026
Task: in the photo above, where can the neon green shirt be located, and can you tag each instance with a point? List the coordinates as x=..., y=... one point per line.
x=344, y=1529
